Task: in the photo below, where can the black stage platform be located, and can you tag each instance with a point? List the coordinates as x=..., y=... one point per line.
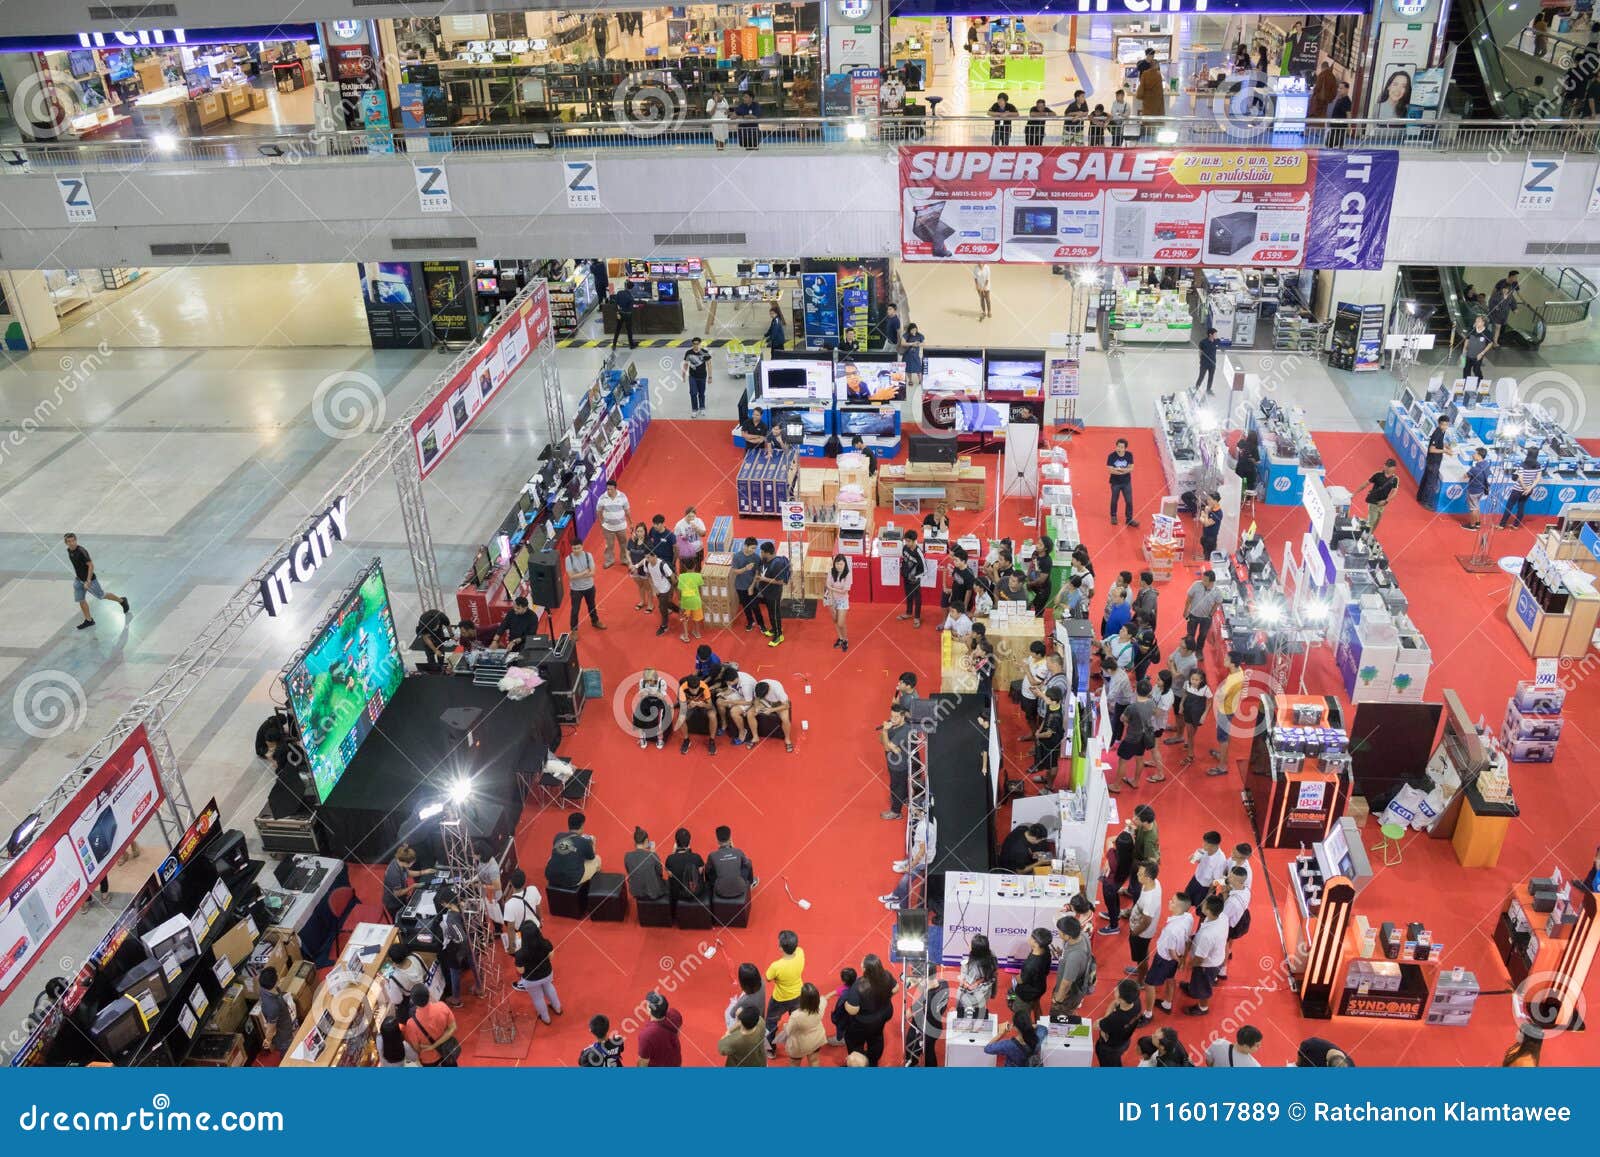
x=412, y=755
x=963, y=800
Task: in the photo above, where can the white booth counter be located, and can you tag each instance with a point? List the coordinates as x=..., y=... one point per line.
x=1068, y=1045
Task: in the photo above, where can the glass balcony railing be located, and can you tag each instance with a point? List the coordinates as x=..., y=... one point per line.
x=807, y=135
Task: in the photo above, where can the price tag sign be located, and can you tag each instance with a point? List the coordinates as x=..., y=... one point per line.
x=223, y=897
x=199, y=1002
x=223, y=971
x=1545, y=672
x=794, y=517
x=170, y=967
x=187, y=1022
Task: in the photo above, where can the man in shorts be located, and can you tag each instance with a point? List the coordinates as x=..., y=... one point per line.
x=1161, y=978
x=1142, y=920
x=770, y=699
x=735, y=690
x=84, y=582
x=694, y=700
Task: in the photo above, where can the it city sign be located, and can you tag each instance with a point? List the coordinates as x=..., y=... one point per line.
x=305, y=556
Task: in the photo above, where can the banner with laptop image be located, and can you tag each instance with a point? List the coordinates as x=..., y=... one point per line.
x=1275, y=208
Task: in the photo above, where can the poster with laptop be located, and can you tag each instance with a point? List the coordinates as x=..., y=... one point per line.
x=118, y=809
x=1164, y=228
x=965, y=225
x=1052, y=225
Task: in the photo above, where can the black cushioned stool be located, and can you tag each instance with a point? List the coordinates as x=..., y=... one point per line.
x=608, y=897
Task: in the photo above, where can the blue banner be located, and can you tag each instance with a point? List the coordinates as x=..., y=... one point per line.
x=821, y=306
x=1350, y=207
x=1268, y=1109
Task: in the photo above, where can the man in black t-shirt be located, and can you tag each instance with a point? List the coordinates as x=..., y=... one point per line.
x=623, y=300
x=695, y=362
x=771, y=576
x=1208, y=363
x=1428, y=486
x=1116, y=1025
x=573, y=860
x=1120, y=463
x=518, y=625
x=1025, y=849
x=1380, y=488
x=84, y=582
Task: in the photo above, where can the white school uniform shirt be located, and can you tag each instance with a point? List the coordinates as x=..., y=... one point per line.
x=1174, y=939
x=744, y=687
x=775, y=692
x=1210, y=947
x=1149, y=903
x=1235, y=904
x=1249, y=872
x=1211, y=868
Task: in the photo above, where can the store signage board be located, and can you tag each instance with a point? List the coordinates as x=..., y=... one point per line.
x=468, y=392
x=1062, y=376
x=1319, y=507
x=1546, y=672
x=1541, y=182
x=794, y=517
x=75, y=198
x=303, y=561
x=158, y=37
x=582, y=179
x=45, y=885
x=1280, y=208
x=1140, y=8
x=1590, y=541
x=433, y=189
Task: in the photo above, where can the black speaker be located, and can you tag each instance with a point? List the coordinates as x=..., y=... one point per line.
x=545, y=588
x=559, y=666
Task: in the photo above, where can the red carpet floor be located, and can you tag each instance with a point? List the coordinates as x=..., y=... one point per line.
x=810, y=820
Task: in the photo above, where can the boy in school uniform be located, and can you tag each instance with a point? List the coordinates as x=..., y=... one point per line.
x=1235, y=910
x=1142, y=920
x=1210, y=867
x=1208, y=952
x=1171, y=947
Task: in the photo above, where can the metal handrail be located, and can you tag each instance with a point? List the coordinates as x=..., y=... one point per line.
x=1579, y=298
x=1525, y=41
x=803, y=134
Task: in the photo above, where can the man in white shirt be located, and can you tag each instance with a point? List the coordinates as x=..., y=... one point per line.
x=980, y=282
x=1033, y=678
x=520, y=905
x=1210, y=866
x=1142, y=920
x=1240, y=1053
x=1235, y=910
x=613, y=511
x=957, y=622
x=1208, y=952
x=662, y=580
x=770, y=699
x=1161, y=977
x=406, y=971
x=1241, y=859
x=736, y=690
x=691, y=534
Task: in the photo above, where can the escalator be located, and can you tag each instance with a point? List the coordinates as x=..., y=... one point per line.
x=1423, y=285
x=1478, y=87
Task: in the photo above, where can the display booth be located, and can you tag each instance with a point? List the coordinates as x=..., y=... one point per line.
x=1304, y=752
x=1546, y=936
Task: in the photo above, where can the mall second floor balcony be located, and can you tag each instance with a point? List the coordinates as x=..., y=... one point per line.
x=807, y=187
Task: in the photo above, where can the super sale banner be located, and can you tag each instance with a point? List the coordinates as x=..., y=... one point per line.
x=1281, y=208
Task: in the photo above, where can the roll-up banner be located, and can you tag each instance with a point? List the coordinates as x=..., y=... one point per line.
x=1279, y=208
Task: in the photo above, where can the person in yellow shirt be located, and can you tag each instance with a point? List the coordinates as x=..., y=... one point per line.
x=691, y=609
x=786, y=974
x=1229, y=698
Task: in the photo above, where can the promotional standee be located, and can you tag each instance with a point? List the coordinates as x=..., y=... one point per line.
x=1273, y=208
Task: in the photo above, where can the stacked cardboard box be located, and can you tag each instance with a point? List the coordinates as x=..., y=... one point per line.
x=720, y=537
x=717, y=591
x=816, y=575
x=278, y=948
x=766, y=479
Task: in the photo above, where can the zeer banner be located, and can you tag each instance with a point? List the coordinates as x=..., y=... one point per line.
x=1281, y=208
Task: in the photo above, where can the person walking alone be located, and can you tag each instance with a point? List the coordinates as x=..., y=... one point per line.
x=980, y=280
x=1522, y=488
x=695, y=362
x=912, y=568
x=1120, y=463
x=623, y=300
x=1478, y=342
x=1208, y=363
x=836, y=597
x=86, y=583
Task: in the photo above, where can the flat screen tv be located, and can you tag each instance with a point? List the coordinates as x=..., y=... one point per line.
x=339, y=684
x=796, y=380
x=867, y=423
x=815, y=422
x=981, y=418
x=869, y=378
x=958, y=372
x=1015, y=374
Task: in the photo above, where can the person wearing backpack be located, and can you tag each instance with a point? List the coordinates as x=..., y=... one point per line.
x=1017, y=1043
x=1075, y=974
x=605, y=1051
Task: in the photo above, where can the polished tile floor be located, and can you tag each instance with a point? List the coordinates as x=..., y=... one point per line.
x=183, y=468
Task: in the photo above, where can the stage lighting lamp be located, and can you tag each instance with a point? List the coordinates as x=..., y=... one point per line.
x=911, y=933
x=460, y=790
x=22, y=835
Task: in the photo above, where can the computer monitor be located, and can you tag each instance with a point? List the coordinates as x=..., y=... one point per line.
x=925, y=449
x=1015, y=374
x=521, y=561
x=953, y=371
x=867, y=423
x=511, y=581
x=981, y=417
x=861, y=379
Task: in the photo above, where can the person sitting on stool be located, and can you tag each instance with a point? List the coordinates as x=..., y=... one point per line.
x=573, y=860
x=695, y=713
